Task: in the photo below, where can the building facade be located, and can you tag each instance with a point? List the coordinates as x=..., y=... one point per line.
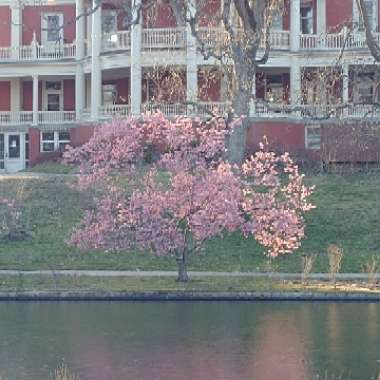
x=57, y=82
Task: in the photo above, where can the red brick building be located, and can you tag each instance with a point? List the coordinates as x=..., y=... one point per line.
x=57, y=82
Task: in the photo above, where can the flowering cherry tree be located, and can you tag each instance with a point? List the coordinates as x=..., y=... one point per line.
x=201, y=196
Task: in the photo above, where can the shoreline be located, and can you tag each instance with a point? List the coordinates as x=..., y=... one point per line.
x=187, y=296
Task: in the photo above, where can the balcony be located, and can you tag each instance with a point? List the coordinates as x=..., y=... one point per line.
x=165, y=38
x=175, y=38
x=114, y=42
x=278, y=40
x=114, y=110
x=16, y=118
x=336, y=41
x=262, y=110
x=36, y=52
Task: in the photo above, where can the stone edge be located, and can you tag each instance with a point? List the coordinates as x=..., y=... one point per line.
x=187, y=296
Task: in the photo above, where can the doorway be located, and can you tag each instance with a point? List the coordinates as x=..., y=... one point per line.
x=12, y=151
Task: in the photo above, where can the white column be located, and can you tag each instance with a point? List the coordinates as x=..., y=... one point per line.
x=295, y=82
x=191, y=61
x=136, y=70
x=321, y=17
x=295, y=25
x=80, y=29
x=79, y=75
x=96, y=73
x=345, y=75
x=15, y=95
x=15, y=100
x=79, y=91
x=35, y=99
x=252, y=110
x=16, y=26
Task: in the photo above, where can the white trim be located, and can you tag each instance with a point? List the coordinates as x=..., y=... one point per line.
x=44, y=27
x=56, y=141
x=375, y=10
x=107, y=13
x=46, y=92
x=13, y=164
x=307, y=142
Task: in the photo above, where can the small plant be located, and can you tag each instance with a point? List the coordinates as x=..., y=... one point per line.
x=63, y=373
x=335, y=255
x=371, y=267
x=307, y=265
x=11, y=227
x=9, y=219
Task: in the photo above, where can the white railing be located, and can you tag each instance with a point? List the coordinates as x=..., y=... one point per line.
x=5, y=117
x=24, y=53
x=359, y=111
x=5, y=53
x=278, y=39
x=56, y=117
x=16, y=118
x=115, y=110
x=333, y=41
x=26, y=117
x=215, y=108
x=120, y=40
x=56, y=51
x=163, y=38
x=38, y=52
x=272, y=110
x=321, y=42
x=213, y=36
x=168, y=109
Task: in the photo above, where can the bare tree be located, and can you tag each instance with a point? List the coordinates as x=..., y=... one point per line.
x=245, y=46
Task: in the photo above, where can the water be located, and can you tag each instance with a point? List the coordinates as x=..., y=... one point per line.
x=190, y=340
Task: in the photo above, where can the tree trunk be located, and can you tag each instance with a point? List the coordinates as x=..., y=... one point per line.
x=237, y=141
x=241, y=105
x=182, y=268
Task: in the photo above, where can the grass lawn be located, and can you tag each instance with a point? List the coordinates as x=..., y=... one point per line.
x=62, y=283
x=347, y=214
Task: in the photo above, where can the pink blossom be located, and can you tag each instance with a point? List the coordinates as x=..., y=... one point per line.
x=204, y=196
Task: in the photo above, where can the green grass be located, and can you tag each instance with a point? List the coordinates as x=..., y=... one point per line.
x=62, y=283
x=347, y=214
x=51, y=168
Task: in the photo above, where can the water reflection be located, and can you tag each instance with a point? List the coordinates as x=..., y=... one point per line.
x=280, y=352
x=181, y=341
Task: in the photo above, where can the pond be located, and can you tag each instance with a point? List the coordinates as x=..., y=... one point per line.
x=190, y=340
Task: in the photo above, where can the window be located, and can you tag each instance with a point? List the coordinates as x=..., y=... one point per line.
x=63, y=139
x=53, y=96
x=306, y=18
x=52, y=31
x=53, y=85
x=313, y=137
x=274, y=89
x=109, y=22
x=368, y=4
x=53, y=102
x=365, y=88
x=14, y=146
x=109, y=94
x=52, y=141
x=277, y=21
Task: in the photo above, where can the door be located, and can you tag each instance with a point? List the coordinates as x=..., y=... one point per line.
x=14, y=152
